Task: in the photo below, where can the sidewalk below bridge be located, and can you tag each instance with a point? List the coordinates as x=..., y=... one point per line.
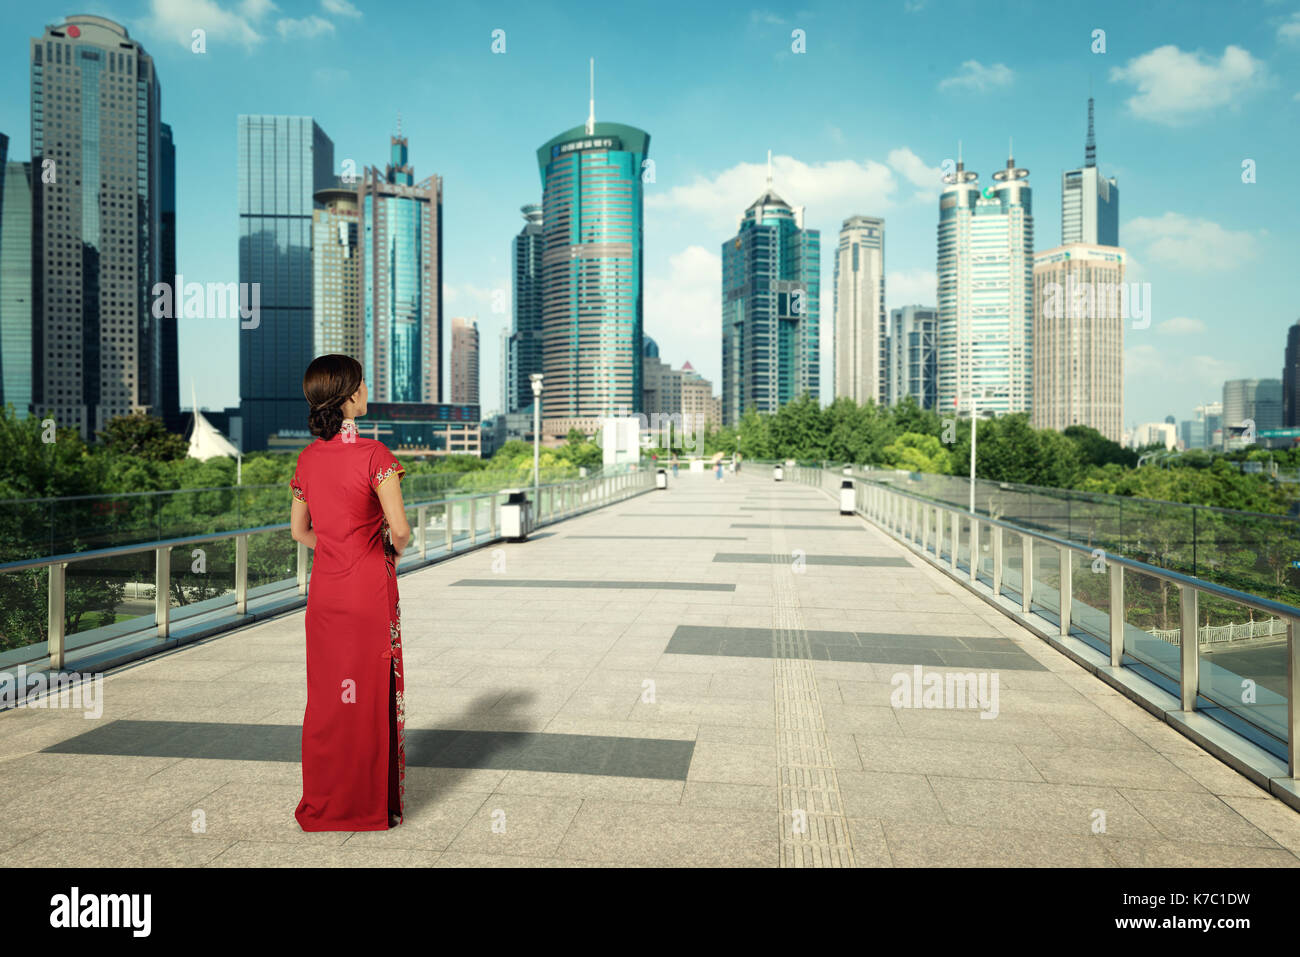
x=709, y=675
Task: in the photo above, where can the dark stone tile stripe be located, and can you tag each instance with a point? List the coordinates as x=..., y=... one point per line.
x=864, y=561
x=986, y=653
x=494, y=750
x=577, y=583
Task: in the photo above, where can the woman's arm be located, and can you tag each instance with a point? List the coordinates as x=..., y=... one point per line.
x=390, y=499
x=300, y=524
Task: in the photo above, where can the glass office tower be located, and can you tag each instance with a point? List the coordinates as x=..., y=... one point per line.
x=283, y=161
x=861, y=359
x=171, y=404
x=1089, y=201
x=592, y=273
x=15, y=282
x=913, y=351
x=402, y=267
x=771, y=290
x=95, y=102
x=986, y=311
x=524, y=347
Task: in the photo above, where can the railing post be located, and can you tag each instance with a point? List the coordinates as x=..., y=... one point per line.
x=241, y=574
x=996, y=532
x=1067, y=588
x=1292, y=705
x=1116, y=613
x=1026, y=572
x=973, y=553
x=162, y=582
x=956, y=539
x=1190, y=681
x=925, y=525
x=473, y=519
x=302, y=568
x=422, y=519
x=55, y=634
x=492, y=516
x=449, y=513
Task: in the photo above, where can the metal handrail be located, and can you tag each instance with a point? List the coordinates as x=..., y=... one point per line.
x=548, y=506
x=1178, y=578
x=903, y=515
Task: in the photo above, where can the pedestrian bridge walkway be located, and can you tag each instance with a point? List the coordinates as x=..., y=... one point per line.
x=723, y=673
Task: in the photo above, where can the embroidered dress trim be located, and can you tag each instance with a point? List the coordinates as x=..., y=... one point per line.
x=348, y=430
x=385, y=474
x=298, y=494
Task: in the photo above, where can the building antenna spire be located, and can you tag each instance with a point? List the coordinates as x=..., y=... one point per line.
x=1090, y=148
x=399, y=124
x=591, y=103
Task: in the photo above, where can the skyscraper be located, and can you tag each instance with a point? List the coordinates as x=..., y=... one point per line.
x=1089, y=201
x=1291, y=378
x=15, y=282
x=771, y=291
x=985, y=271
x=283, y=161
x=171, y=395
x=403, y=281
x=912, y=348
x=1259, y=400
x=96, y=231
x=592, y=274
x=1207, y=419
x=337, y=312
x=861, y=361
x=525, y=346
x=464, y=361
x=1078, y=339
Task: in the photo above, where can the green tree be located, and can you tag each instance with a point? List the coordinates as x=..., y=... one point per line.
x=142, y=436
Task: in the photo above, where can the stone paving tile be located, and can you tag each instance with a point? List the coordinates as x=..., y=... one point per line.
x=245, y=854
x=946, y=757
x=79, y=846
x=1131, y=769
x=1039, y=807
x=518, y=824
x=1128, y=853
x=667, y=836
x=1196, y=818
x=940, y=845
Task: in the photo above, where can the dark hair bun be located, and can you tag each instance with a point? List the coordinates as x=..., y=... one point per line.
x=325, y=422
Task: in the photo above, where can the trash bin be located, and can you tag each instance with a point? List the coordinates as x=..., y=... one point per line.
x=847, y=497
x=778, y=473
x=516, y=515
x=661, y=478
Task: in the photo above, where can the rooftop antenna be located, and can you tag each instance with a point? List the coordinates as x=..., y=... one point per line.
x=399, y=124
x=769, y=169
x=591, y=103
x=960, y=167
x=1090, y=149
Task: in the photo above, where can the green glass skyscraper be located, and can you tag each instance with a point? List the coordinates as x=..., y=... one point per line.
x=592, y=273
x=771, y=290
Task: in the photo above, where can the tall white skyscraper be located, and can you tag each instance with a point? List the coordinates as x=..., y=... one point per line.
x=860, y=332
x=1089, y=201
x=985, y=270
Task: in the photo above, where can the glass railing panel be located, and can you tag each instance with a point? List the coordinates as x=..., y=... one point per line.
x=1152, y=610
x=1090, y=598
x=272, y=559
x=984, y=554
x=1243, y=659
x=1012, y=564
x=1047, y=581
x=203, y=577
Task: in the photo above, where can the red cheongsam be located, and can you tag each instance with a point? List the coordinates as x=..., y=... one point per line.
x=353, y=749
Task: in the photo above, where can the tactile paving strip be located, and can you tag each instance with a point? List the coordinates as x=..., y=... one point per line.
x=814, y=830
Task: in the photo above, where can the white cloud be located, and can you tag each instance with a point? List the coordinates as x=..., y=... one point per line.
x=1289, y=31
x=839, y=185
x=312, y=26
x=1181, y=326
x=683, y=310
x=175, y=20
x=977, y=78
x=1192, y=244
x=1175, y=87
x=340, y=8
x=911, y=287
x=911, y=166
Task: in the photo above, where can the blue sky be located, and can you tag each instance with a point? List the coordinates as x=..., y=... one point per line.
x=859, y=123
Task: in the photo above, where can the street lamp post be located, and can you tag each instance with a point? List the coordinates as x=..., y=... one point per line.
x=536, y=379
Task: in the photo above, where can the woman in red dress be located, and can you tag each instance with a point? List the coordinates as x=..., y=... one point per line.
x=347, y=506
